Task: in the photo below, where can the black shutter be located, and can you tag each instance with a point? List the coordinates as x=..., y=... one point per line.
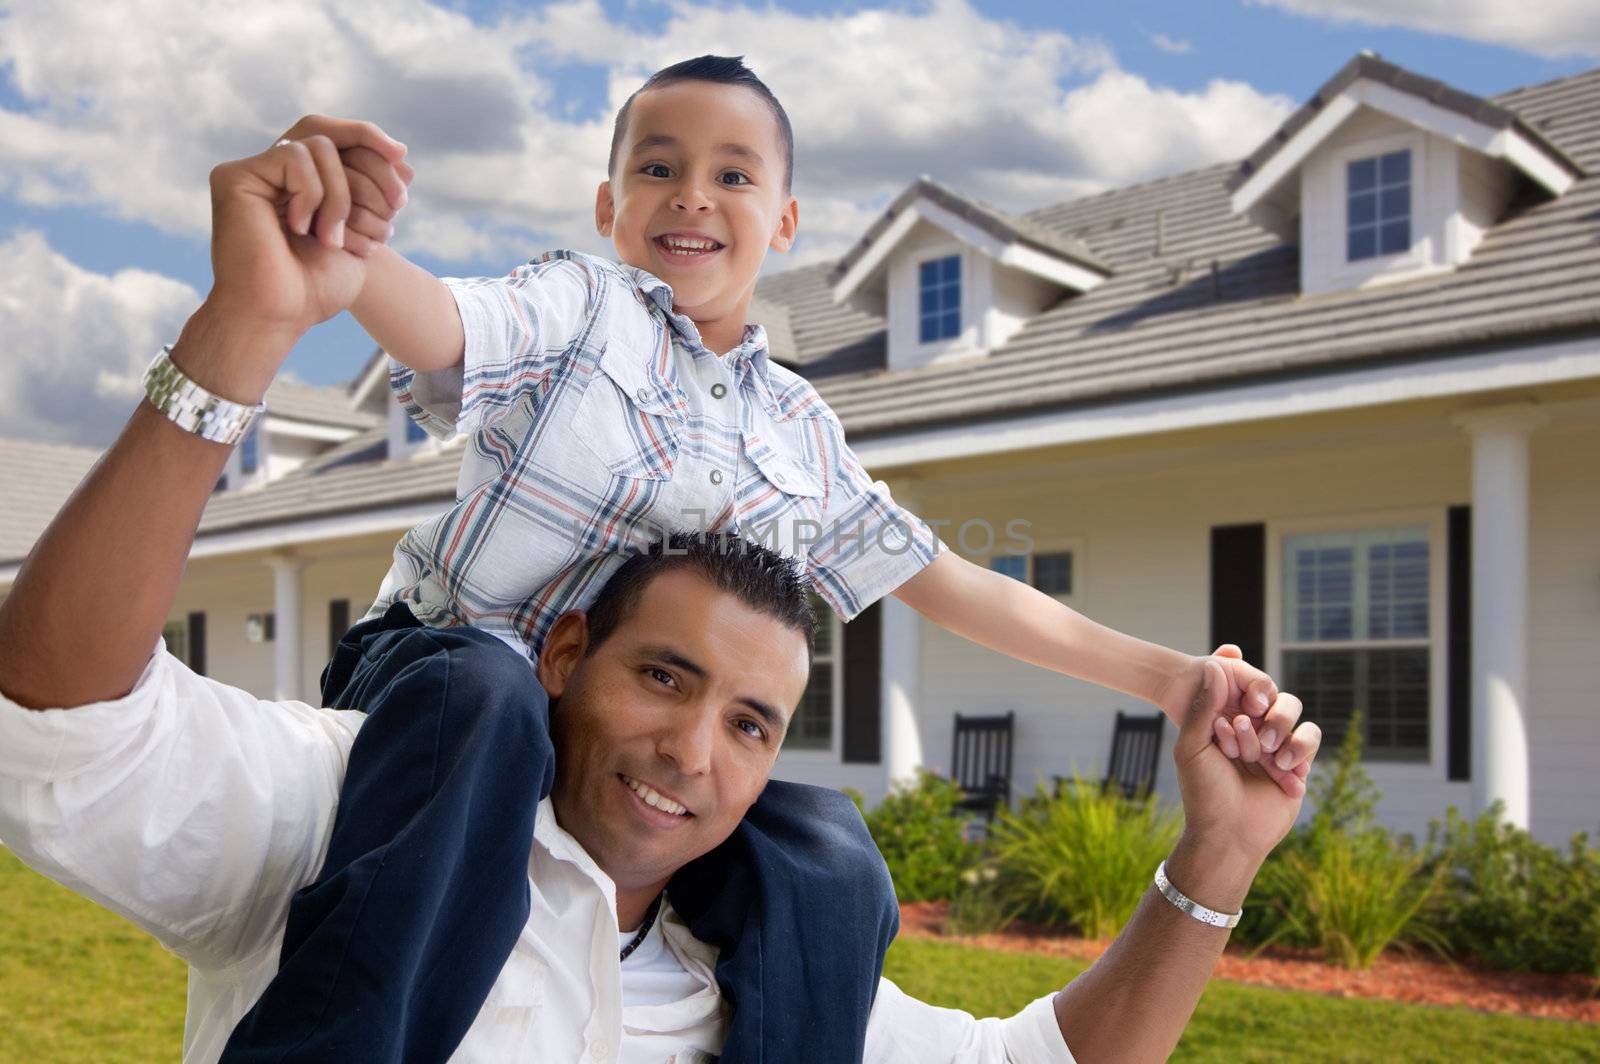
x=1239, y=590
x=338, y=622
x=197, y=643
x=863, y=685
x=1458, y=682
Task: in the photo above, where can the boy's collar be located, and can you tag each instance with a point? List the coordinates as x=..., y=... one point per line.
x=753, y=346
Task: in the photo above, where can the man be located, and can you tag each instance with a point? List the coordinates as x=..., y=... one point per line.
x=198, y=813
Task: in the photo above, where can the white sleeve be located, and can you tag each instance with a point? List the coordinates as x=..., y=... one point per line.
x=191, y=808
x=903, y=1030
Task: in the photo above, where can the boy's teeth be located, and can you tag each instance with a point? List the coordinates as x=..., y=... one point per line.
x=666, y=805
x=688, y=245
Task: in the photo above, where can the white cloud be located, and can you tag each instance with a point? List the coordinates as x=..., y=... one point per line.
x=77, y=342
x=1553, y=28
x=1170, y=45
x=131, y=105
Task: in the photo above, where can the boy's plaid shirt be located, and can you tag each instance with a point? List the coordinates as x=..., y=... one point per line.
x=595, y=418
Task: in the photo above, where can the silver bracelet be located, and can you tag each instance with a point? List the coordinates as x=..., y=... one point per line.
x=1189, y=905
x=194, y=409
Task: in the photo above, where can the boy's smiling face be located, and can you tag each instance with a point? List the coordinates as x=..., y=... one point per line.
x=700, y=159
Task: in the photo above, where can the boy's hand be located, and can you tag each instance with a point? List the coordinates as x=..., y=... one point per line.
x=377, y=184
x=1255, y=722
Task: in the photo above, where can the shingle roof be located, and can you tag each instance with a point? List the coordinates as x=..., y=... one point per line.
x=1222, y=302
x=35, y=479
x=325, y=406
x=1374, y=68
x=991, y=220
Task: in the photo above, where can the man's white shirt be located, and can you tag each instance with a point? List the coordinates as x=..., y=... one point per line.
x=196, y=810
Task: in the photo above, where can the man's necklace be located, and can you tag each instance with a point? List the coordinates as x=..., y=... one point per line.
x=638, y=940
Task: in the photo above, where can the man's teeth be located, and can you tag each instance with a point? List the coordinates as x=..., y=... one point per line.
x=666, y=805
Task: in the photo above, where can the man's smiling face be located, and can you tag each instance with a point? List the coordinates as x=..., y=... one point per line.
x=666, y=733
x=703, y=161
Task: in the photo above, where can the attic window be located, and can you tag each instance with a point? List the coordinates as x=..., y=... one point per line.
x=940, y=285
x=1379, y=206
x=249, y=452
x=415, y=433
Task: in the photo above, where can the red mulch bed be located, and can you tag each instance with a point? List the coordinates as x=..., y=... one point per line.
x=1397, y=978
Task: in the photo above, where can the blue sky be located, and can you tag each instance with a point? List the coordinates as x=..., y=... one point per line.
x=1269, y=55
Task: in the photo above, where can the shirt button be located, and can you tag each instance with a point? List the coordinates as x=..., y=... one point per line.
x=777, y=478
x=716, y=476
x=643, y=395
x=718, y=390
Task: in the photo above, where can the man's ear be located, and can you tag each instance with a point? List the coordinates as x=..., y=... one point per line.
x=563, y=649
x=605, y=209
x=788, y=223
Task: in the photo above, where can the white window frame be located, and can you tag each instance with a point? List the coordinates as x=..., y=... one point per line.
x=1052, y=545
x=834, y=752
x=1420, y=254
x=924, y=257
x=1434, y=519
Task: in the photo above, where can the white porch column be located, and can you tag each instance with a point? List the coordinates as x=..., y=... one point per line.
x=1500, y=605
x=901, y=674
x=286, y=608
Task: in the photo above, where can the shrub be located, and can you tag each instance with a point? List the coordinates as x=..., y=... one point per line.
x=1512, y=902
x=980, y=906
x=1341, y=884
x=1083, y=859
x=920, y=837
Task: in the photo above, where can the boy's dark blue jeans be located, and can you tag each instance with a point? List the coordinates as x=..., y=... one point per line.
x=390, y=953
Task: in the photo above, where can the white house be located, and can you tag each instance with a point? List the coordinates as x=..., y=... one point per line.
x=1338, y=403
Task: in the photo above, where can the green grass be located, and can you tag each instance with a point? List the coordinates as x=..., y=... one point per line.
x=77, y=983
x=1249, y=1023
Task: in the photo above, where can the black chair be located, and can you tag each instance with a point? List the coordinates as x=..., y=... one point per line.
x=980, y=761
x=1135, y=753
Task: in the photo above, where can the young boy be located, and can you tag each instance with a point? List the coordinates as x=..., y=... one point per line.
x=605, y=402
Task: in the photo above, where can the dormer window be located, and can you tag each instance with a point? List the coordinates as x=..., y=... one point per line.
x=415, y=433
x=940, y=286
x=249, y=452
x=1378, y=199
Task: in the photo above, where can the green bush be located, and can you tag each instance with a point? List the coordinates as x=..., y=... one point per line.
x=1082, y=859
x=1341, y=884
x=921, y=838
x=981, y=905
x=1512, y=902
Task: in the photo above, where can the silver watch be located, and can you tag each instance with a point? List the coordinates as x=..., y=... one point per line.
x=194, y=409
x=1189, y=905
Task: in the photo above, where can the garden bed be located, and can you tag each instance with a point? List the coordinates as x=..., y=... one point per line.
x=1393, y=977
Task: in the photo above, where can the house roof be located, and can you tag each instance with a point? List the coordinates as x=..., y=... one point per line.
x=1221, y=302
x=35, y=479
x=1369, y=67
x=991, y=220
x=298, y=401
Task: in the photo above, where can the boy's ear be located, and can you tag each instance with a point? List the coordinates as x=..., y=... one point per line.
x=564, y=647
x=788, y=223
x=605, y=209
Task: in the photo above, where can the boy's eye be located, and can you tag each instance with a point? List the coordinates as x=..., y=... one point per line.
x=653, y=166
x=743, y=180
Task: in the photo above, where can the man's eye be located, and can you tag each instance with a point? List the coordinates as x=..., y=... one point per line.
x=660, y=674
x=755, y=730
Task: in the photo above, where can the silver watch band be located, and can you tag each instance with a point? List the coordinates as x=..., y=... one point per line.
x=1189, y=905
x=194, y=409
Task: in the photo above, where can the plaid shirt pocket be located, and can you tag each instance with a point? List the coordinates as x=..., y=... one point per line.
x=631, y=417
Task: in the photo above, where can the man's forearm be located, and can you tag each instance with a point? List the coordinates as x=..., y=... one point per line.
x=93, y=595
x=1134, y=1002
x=410, y=312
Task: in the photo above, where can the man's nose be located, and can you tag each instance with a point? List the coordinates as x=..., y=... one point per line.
x=688, y=742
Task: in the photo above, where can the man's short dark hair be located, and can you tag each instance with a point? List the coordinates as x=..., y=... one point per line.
x=724, y=70
x=761, y=578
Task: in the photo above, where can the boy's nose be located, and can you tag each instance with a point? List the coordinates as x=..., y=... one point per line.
x=691, y=196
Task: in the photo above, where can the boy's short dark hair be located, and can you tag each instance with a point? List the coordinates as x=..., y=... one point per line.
x=724, y=70
x=761, y=578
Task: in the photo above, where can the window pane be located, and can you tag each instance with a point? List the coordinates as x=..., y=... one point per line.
x=1397, y=701
x=1396, y=238
x=1052, y=573
x=930, y=300
x=929, y=274
x=1396, y=166
x=951, y=268
x=812, y=726
x=415, y=433
x=929, y=330
x=1363, y=244
x=949, y=297
x=1012, y=565
x=1363, y=174
x=1364, y=209
x=248, y=452
x=952, y=325
x=1324, y=680
x=1397, y=588
x=1396, y=202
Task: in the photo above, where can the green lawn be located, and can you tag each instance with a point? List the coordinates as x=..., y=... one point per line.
x=77, y=983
